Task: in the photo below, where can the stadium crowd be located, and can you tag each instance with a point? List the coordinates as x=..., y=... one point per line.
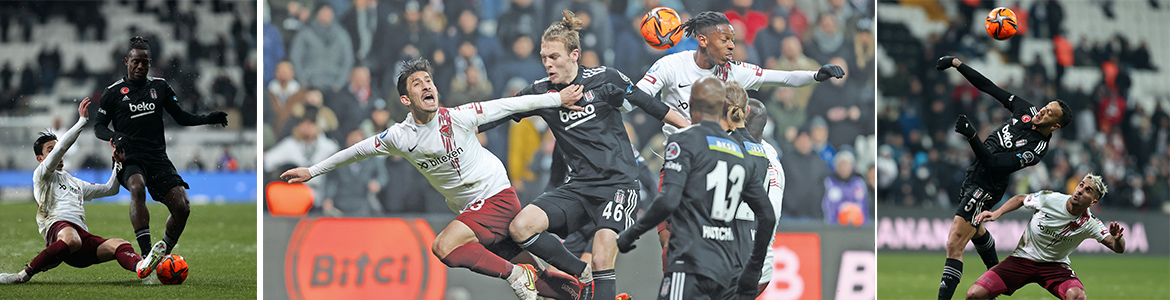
x=1115, y=132
x=334, y=85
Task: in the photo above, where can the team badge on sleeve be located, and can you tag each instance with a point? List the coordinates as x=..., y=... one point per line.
x=672, y=151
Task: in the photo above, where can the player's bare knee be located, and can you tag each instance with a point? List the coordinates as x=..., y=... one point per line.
x=1075, y=294
x=73, y=241
x=522, y=228
x=976, y=293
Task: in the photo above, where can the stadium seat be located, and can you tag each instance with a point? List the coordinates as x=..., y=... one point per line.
x=288, y=199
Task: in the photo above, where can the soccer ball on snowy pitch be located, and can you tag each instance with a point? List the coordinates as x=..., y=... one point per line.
x=172, y=269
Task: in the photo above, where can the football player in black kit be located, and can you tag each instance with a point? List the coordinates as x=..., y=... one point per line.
x=601, y=190
x=1021, y=142
x=704, y=178
x=133, y=104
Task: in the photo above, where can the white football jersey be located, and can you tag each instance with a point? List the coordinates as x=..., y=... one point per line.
x=774, y=184
x=1053, y=233
x=674, y=74
x=446, y=150
x=59, y=195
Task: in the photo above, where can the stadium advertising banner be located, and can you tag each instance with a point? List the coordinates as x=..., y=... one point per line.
x=917, y=229
x=813, y=262
x=355, y=258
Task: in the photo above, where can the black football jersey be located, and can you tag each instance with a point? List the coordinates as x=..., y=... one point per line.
x=716, y=174
x=1016, y=136
x=594, y=142
x=745, y=219
x=135, y=109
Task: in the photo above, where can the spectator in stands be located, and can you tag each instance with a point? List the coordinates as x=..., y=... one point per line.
x=352, y=104
x=470, y=85
x=521, y=63
x=828, y=40
x=753, y=20
x=283, y=93
x=838, y=104
x=597, y=33
x=28, y=80
x=523, y=18
x=487, y=49
x=296, y=19
x=786, y=115
x=322, y=52
x=227, y=161
x=744, y=53
x=844, y=189
x=6, y=76
x=819, y=135
x=223, y=86
x=801, y=203
x=770, y=39
x=50, y=62
x=410, y=39
x=368, y=28
x=797, y=20
x=350, y=189
x=306, y=145
x=635, y=9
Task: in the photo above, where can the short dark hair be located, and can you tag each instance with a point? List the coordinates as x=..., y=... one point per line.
x=1065, y=114
x=700, y=23
x=45, y=137
x=409, y=67
x=756, y=119
x=140, y=43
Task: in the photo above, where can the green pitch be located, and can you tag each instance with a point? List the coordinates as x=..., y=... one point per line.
x=905, y=275
x=219, y=244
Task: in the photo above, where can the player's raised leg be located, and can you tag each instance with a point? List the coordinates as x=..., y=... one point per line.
x=66, y=242
x=528, y=229
x=180, y=208
x=457, y=246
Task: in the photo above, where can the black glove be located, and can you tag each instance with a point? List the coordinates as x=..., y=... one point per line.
x=216, y=117
x=748, y=283
x=827, y=71
x=945, y=62
x=121, y=143
x=963, y=126
x=625, y=241
x=610, y=89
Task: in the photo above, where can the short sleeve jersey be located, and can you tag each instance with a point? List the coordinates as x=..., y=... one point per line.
x=1053, y=233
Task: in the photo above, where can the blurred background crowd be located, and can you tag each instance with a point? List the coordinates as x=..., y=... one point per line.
x=335, y=61
x=56, y=53
x=1112, y=77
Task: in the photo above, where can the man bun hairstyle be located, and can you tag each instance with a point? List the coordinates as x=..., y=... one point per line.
x=44, y=137
x=140, y=43
x=565, y=31
x=737, y=101
x=409, y=67
x=699, y=24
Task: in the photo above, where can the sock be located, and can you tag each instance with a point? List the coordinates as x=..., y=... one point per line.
x=143, y=237
x=605, y=284
x=170, y=242
x=557, y=285
x=952, y=273
x=551, y=249
x=52, y=256
x=476, y=258
x=126, y=257
x=985, y=245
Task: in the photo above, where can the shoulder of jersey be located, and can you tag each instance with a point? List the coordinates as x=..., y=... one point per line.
x=116, y=83
x=156, y=79
x=540, y=81
x=590, y=72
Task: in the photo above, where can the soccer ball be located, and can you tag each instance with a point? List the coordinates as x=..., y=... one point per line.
x=172, y=269
x=1001, y=23
x=662, y=28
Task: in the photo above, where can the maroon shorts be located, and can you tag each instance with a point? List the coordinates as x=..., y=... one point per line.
x=1014, y=272
x=87, y=254
x=489, y=219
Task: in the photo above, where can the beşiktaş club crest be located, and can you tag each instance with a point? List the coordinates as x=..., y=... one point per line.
x=672, y=151
x=153, y=95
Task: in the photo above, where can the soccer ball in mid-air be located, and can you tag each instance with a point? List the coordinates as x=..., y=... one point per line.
x=1001, y=23
x=172, y=269
x=662, y=28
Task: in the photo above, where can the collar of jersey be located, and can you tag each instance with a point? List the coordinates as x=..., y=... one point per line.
x=127, y=80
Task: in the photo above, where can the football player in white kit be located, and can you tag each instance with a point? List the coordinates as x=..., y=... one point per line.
x=442, y=145
x=1058, y=225
x=61, y=217
x=774, y=182
x=674, y=74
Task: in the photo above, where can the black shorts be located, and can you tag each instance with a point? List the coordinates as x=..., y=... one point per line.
x=581, y=241
x=157, y=171
x=679, y=285
x=974, y=199
x=570, y=208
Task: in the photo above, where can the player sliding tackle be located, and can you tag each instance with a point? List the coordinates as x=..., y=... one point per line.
x=1021, y=142
x=441, y=143
x=1057, y=227
x=61, y=217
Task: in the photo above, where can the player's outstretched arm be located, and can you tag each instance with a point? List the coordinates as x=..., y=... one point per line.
x=653, y=107
x=64, y=143
x=110, y=188
x=358, y=152
x=296, y=175
x=187, y=119
x=489, y=112
x=976, y=79
x=1116, y=240
x=1012, y=204
x=775, y=78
